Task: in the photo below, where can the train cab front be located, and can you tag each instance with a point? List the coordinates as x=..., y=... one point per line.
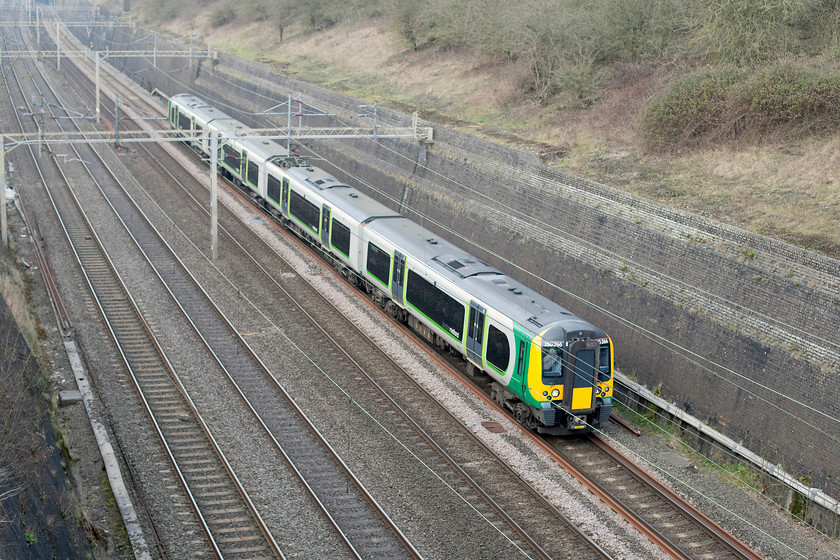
x=573, y=381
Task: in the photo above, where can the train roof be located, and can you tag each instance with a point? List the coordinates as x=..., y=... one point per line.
x=488, y=284
x=207, y=115
x=340, y=195
x=263, y=148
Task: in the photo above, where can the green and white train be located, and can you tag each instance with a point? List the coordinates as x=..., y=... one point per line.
x=552, y=369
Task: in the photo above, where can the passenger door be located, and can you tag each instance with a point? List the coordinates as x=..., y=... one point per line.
x=325, y=225
x=284, y=204
x=581, y=374
x=475, y=333
x=398, y=277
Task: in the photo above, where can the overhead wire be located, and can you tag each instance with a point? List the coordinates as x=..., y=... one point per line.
x=551, y=226
x=583, y=241
x=310, y=357
x=696, y=359
x=691, y=356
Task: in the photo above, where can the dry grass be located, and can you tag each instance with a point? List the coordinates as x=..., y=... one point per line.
x=14, y=290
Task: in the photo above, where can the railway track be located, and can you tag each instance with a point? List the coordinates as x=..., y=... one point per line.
x=674, y=525
x=705, y=552
x=677, y=531
x=232, y=527
x=356, y=518
x=408, y=429
x=688, y=533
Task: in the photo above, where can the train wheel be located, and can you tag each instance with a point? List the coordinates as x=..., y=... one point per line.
x=494, y=393
x=524, y=416
x=393, y=310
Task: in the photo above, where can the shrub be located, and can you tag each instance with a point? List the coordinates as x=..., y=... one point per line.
x=632, y=30
x=691, y=108
x=222, y=15
x=786, y=94
x=161, y=10
x=817, y=24
x=746, y=31
x=785, y=97
x=580, y=81
x=254, y=10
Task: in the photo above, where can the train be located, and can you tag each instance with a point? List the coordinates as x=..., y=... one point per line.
x=550, y=368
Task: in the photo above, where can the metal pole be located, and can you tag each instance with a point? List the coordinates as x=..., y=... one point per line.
x=214, y=187
x=300, y=109
x=154, y=53
x=41, y=128
x=98, y=118
x=289, y=126
x=375, y=117
x=38, y=27
x=116, y=121
x=58, y=45
x=4, y=224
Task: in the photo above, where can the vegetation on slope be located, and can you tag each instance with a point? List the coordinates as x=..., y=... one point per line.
x=724, y=107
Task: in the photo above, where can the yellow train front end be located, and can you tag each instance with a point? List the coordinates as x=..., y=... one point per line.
x=569, y=378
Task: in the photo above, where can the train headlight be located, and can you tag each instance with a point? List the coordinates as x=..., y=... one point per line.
x=555, y=393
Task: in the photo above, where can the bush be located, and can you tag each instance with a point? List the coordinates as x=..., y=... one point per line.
x=787, y=94
x=746, y=31
x=716, y=104
x=690, y=109
x=632, y=30
x=222, y=15
x=579, y=82
x=817, y=25
x=253, y=10
x=161, y=10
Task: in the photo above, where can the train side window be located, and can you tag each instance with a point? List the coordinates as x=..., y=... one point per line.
x=498, y=349
x=232, y=158
x=604, y=363
x=378, y=263
x=340, y=238
x=253, y=173
x=184, y=122
x=552, y=365
x=441, y=308
x=273, y=189
x=304, y=211
x=521, y=357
